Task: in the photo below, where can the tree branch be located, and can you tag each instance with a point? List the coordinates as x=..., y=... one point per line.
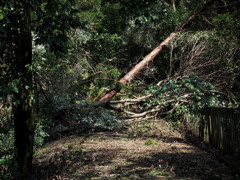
x=150, y=57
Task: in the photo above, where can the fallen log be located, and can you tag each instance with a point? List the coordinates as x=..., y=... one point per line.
x=150, y=57
x=116, y=105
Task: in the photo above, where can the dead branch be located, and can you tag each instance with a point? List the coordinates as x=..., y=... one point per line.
x=131, y=101
x=116, y=105
x=158, y=107
x=195, y=54
x=150, y=57
x=92, y=77
x=137, y=120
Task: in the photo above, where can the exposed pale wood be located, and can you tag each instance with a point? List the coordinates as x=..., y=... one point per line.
x=139, y=99
x=150, y=57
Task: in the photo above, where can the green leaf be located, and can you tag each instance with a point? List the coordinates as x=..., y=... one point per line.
x=1, y=15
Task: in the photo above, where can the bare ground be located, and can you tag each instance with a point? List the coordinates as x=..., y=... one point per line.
x=149, y=150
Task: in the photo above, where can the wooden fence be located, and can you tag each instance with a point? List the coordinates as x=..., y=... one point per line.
x=218, y=126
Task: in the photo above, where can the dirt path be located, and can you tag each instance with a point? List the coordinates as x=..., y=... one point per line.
x=148, y=151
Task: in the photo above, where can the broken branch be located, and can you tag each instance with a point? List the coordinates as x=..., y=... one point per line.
x=150, y=57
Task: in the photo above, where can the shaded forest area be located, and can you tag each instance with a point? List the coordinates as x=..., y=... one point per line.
x=70, y=69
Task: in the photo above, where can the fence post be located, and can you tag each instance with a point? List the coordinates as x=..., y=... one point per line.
x=220, y=127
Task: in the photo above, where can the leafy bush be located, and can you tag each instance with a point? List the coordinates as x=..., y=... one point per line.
x=185, y=95
x=7, y=148
x=211, y=56
x=103, y=119
x=40, y=135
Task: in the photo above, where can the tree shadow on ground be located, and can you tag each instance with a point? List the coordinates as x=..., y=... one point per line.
x=70, y=161
x=175, y=166
x=172, y=163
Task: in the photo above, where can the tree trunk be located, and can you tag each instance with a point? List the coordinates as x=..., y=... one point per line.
x=147, y=59
x=22, y=99
x=174, y=5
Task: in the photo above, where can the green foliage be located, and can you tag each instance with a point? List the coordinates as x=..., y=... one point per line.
x=1, y=15
x=6, y=144
x=103, y=119
x=100, y=83
x=51, y=21
x=207, y=53
x=40, y=135
x=227, y=24
x=123, y=139
x=7, y=140
x=114, y=36
x=188, y=94
x=150, y=142
x=155, y=173
x=140, y=129
x=7, y=148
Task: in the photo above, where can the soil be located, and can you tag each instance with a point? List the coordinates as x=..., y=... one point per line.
x=148, y=150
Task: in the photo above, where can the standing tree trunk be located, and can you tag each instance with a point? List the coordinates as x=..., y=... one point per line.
x=147, y=59
x=174, y=5
x=22, y=99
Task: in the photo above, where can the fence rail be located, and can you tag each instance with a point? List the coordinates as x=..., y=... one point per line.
x=218, y=126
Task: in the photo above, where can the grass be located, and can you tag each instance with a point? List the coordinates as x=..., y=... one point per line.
x=150, y=142
x=155, y=173
x=123, y=139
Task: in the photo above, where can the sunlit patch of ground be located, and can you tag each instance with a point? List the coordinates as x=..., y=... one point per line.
x=155, y=153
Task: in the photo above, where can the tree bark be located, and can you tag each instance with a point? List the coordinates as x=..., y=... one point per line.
x=22, y=100
x=174, y=5
x=150, y=57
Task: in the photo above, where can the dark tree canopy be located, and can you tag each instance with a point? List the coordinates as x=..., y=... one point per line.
x=47, y=23
x=58, y=57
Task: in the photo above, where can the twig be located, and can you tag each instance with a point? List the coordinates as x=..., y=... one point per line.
x=131, y=100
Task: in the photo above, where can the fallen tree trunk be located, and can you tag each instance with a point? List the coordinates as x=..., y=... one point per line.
x=115, y=105
x=150, y=57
